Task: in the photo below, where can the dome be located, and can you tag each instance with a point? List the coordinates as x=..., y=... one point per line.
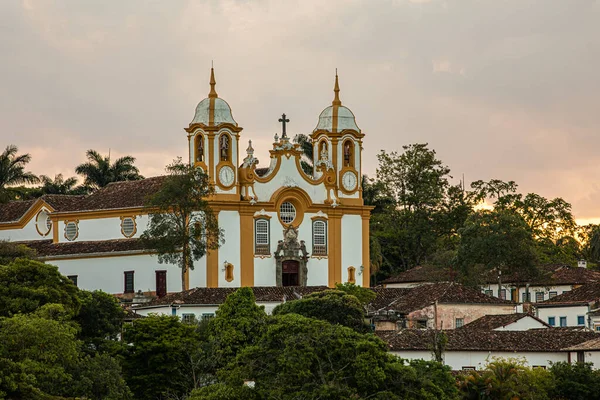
x=222, y=112
x=336, y=117
x=345, y=119
x=213, y=110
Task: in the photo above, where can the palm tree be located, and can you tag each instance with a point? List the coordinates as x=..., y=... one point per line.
x=59, y=185
x=306, y=146
x=12, y=172
x=99, y=172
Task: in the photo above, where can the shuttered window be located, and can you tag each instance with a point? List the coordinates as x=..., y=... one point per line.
x=319, y=238
x=71, y=231
x=128, y=226
x=262, y=236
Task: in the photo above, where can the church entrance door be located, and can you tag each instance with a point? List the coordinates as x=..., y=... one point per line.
x=289, y=276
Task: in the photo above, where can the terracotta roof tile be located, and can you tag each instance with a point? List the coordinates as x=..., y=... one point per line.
x=63, y=202
x=218, y=295
x=406, y=300
x=593, y=344
x=47, y=249
x=542, y=340
x=588, y=293
x=14, y=210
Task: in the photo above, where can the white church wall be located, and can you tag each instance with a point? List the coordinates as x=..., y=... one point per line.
x=28, y=232
x=351, y=246
x=107, y=273
x=229, y=252
x=264, y=271
x=288, y=175
x=103, y=229
x=318, y=272
x=457, y=360
x=198, y=274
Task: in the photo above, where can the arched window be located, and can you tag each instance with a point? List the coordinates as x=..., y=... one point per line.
x=351, y=275
x=199, y=148
x=319, y=238
x=224, y=147
x=348, y=151
x=323, y=151
x=228, y=272
x=262, y=237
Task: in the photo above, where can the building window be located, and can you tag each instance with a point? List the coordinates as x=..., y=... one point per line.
x=43, y=223
x=420, y=324
x=597, y=328
x=539, y=297
x=71, y=230
x=224, y=147
x=526, y=297
x=580, y=320
x=351, y=275
x=538, y=367
x=563, y=321
x=348, y=153
x=319, y=238
x=262, y=239
x=73, y=279
x=129, y=287
x=580, y=357
x=489, y=292
x=228, y=272
x=552, y=294
x=188, y=318
x=128, y=226
x=552, y=321
x=161, y=283
x=287, y=212
x=502, y=294
x=199, y=148
x=207, y=316
x=459, y=322
x=468, y=368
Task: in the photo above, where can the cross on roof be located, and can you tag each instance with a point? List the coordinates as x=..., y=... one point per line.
x=283, y=121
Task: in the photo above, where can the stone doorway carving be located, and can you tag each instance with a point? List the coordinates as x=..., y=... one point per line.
x=291, y=258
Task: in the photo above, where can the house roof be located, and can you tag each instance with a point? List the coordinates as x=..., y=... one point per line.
x=213, y=296
x=538, y=340
x=491, y=322
x=586, y=294
x=593, y=344
x=406, y=300
x=549, y=275
x=47, y=249
x=13, y=211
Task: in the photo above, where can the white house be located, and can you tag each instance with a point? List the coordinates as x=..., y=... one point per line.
x=283, y=226
x=578, y=307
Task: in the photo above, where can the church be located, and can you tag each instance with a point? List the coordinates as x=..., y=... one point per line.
x=282, y=225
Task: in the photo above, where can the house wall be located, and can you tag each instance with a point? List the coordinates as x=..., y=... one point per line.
x=523, y=324
x=457, y=360
x=533, y=289
x=544, y=313
x=197, y=310
x=107, y=273
x=590, y=356
x=352, y=247
x=28, y=232
x=448, y=313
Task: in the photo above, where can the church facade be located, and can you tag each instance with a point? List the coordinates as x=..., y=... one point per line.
x=283, y=225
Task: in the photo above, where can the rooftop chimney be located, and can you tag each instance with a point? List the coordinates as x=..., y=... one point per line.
x=582, y=264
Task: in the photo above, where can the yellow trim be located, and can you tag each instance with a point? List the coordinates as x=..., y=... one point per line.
x=247, y=248
x=37, y=217
x=351, y=274
x=95, y=214
x=334, y=228
x=29, y=214
x=212, y=264
x=343, y=172
x=220, y=166
x=134, y=225
x=366, y=261
x=211, y=157
x=50, y=259
x=229, y=272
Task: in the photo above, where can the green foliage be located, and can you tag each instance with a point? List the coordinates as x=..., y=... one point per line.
x=299, y=357
x=333, y=306
x=506, y=379
x=12, y=173
x=496, y=240
x=26, y=285
x=99, y=172
x=160, y=357
x=575, y=381
x=182, y=226
x=60, y=185
x=10, y=251
x=306, y=147
x=364, y=295
x=220, y=391
x=238, y=323
x=100, y=318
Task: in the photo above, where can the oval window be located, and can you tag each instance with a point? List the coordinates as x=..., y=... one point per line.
x=287, y=212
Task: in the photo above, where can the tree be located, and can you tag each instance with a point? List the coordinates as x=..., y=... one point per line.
x=363, y=294
x=60, y=185
x=498, y=240
x=12, y=172
x=159, y=358
x=10, y=251
x=333, y=306
x=182, y=226
x=299, y=357
x=99, y=172
x=100, y=318
x=306, y=147
x=576, y=381
x=26, y=285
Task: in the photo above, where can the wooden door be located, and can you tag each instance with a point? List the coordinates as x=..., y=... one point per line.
x=161, y=283
x=289, y=276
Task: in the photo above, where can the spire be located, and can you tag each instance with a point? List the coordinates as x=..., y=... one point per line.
x=336, y=100
x=213, y=93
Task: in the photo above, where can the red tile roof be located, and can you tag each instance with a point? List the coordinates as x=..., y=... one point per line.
x=586, y=294
x=14, y=210
x=47, y=249
x=538, y=340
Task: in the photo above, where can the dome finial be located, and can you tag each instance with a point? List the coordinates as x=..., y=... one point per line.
x=336, y=100
x=213, y=92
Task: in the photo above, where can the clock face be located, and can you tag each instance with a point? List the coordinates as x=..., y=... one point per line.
x=226, y=175
x=349, y=181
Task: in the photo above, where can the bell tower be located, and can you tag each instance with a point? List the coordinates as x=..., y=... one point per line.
x=213, y=138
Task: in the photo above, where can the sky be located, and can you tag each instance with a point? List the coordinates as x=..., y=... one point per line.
x=500, y=89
